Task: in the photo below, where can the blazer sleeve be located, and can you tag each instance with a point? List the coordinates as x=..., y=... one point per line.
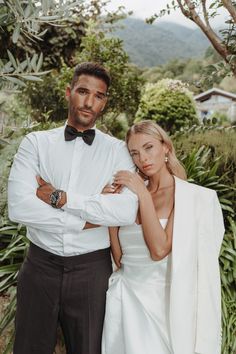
x=210, y=236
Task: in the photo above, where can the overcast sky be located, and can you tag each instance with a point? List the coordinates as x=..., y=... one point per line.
x=146, y=8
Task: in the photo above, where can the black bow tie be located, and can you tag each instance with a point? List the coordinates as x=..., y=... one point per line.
x=87, y=135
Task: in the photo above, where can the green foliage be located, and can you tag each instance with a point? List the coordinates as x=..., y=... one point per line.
x=15, y=112
x=47, y=98
x=202, y=168
x=15, y=245
x=168, y=103
x=24, y=18
x=221, y=142
x=125, y=90
x=228, y=84
x=114, y=125
x=149, y=46
x=224, y=42
x=6, y=154
x=196, y=73
x=24, y=22
x=220, y=118
x=47, y=29
x=124, y=93
x=228, y=293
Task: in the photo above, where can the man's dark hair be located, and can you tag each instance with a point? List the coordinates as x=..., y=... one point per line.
x=92, y=69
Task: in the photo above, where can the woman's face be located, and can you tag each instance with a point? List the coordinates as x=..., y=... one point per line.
x=147, y=153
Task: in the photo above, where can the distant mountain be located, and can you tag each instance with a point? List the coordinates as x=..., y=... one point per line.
x=151, y=45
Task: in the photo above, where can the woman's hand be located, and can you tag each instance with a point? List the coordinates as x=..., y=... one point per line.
x=132, y=181
x=112, y=188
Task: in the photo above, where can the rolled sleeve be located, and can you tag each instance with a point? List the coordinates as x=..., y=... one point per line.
x=106, y=210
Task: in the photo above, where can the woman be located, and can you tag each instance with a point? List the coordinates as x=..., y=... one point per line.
x=165, y=297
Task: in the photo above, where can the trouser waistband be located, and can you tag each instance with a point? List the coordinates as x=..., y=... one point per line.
x=36, y=252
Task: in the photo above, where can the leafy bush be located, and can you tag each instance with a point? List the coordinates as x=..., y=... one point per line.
x=220, y=141
x=124, y=93
x=169, y=103
x=220, y=118
x=126, y=83
x=228, y=286
x=46, y=98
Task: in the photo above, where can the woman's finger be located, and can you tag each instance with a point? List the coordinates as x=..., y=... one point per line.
x=118, y=189
x=109, y=188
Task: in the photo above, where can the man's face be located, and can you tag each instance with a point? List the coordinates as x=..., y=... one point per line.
x=86, y=100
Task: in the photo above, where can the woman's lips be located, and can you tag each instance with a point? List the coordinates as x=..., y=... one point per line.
x=145, y=167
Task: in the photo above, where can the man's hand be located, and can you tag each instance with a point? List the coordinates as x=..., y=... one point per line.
x=44, y=190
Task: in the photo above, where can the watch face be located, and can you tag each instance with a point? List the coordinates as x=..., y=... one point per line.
x=53, y=198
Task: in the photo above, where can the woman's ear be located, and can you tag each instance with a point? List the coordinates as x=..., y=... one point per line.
x=165, y=148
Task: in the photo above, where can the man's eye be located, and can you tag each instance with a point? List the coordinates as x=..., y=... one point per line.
x=100, y=97
x=82, y=92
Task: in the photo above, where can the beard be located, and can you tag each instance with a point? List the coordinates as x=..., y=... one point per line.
x=78, y=118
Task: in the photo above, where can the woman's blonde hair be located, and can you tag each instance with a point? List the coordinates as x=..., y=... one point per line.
x=149, y=127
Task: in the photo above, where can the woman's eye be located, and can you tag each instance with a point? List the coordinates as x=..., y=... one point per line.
x=134, y=154
x=148, y=147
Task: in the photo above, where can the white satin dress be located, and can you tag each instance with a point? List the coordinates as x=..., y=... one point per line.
x=137, y=308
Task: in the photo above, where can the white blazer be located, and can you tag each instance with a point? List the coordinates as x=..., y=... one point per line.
x=195, y=300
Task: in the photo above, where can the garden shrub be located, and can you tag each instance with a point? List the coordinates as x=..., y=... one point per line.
x=169, y=103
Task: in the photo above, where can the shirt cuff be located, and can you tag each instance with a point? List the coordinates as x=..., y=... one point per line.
x=73, y=223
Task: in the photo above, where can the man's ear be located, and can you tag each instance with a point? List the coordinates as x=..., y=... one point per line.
x=67, y=92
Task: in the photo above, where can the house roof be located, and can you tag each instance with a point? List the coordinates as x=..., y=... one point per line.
x=214, y=91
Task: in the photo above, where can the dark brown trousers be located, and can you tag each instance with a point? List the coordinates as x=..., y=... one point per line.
x=69, y=291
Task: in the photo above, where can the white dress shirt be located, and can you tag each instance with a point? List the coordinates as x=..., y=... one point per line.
x=82, y=171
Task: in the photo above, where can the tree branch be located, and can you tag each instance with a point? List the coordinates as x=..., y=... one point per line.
x=183, y=10
x=230, y=7
x=206, y=29
x=205, y=13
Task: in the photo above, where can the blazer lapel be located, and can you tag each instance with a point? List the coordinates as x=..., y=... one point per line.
x=184, y=216
x=183, y=269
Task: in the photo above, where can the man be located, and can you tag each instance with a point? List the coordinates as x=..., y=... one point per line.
x=55, y=189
